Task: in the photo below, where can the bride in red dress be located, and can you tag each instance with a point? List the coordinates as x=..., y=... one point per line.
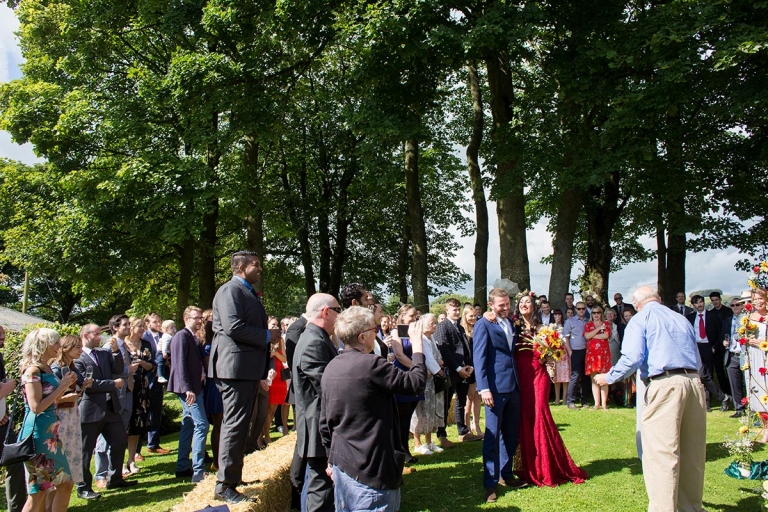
x=544, y=459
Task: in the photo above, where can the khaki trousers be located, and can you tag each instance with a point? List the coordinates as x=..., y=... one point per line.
x=674, y=433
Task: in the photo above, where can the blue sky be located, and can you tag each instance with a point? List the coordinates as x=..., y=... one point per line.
x=710, y=269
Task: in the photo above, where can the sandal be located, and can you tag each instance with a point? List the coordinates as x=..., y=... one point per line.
x=594, y=408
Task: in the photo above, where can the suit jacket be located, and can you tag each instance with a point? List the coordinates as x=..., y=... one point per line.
x=313, y=353
x=713, y=324
x=240, y=348
x=453, y=346
x=551, y=318
x=358, y=419
x=186, y=364
x=125, y=392
x=686, y=310
x=495, y=365
x=93, y=404
x=619, y=316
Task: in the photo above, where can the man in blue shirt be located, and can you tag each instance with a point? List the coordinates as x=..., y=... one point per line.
x=661, y=343
x=573, y=332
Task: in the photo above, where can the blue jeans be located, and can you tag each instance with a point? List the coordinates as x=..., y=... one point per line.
x=194, y=431
x=352, y=496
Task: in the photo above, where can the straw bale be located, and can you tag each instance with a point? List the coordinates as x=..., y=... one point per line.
x=269, y=470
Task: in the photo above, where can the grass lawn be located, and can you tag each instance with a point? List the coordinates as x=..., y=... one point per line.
x=602, y=442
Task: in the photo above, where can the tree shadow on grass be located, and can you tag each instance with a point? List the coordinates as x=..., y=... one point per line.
x=753, y=502
x=716, y=451
x=606, y=466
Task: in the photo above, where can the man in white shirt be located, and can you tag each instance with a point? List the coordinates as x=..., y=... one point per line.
x=545, y=313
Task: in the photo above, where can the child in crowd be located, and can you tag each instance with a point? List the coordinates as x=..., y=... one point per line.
x=164, y=364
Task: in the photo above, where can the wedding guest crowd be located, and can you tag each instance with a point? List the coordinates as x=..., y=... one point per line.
x=359, y=387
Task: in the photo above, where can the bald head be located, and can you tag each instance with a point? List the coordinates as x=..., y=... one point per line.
x=643, y=295
x=322, y=310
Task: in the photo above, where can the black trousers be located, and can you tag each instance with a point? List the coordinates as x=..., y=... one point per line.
x=705, y=373
x=404, y=415
x=719, y=366
x=736, y=378
x=258, y=417
x=113, y=430
x=238, y=398
x=446, y=406
x=319, y=486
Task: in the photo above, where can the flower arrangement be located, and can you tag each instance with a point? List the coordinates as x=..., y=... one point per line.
x=547, y=345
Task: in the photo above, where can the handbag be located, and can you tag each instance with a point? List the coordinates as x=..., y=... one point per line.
x=441, y=383
x=285, y=374
x=17, y=451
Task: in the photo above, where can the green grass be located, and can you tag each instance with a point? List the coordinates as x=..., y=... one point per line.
x=602, y=442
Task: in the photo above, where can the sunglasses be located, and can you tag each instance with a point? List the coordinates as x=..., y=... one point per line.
x=581, y=309
x=336, y=309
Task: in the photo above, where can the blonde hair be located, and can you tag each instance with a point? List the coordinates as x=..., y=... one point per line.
x=134, y=320
x=403, y=310
x=35, y=345
x=468, y=329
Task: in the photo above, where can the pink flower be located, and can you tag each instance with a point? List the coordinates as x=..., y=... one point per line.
x=764, y=416
x=52, y=444
x=744, y=401
x=748, y=306
x=762, y=371
x=756, y=269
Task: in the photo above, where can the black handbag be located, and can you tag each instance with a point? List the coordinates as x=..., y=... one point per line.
x=441, y=382
x=285, y=374
x=13, y=451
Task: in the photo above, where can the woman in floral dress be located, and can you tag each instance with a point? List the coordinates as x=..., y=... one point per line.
x=49, y=470
x=140, y=352
x=598, y=360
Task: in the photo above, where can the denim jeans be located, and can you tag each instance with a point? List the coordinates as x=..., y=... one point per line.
x=352, y=496
x=194, y=431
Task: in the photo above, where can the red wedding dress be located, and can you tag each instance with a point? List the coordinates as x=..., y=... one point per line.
x=544, y=459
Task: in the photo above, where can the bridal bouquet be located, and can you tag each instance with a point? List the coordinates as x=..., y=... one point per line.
x=548, y=347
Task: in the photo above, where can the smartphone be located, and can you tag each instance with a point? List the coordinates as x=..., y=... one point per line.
x=402, y=331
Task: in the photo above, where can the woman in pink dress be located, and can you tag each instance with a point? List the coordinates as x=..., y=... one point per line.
x=544, y=459
x=562, y=367
x=598, y=360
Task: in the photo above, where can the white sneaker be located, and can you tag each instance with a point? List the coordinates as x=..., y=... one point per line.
x=434, y=448
x=423, y=450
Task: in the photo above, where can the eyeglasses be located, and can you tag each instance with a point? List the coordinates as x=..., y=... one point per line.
x=581, y=309
x=366, y=330
x=195, y=317
x=336, y=308
x=736, y=305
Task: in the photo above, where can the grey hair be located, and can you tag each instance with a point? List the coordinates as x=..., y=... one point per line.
x=425, y=318
x=351, y=322
x=643, y=294
x=317, y=303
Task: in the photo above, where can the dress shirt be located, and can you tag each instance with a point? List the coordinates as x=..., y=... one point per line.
x=507, y=328
x=656, y=339
x=700, y=318
x=548, y=320
x=735, y=346
x=93, y=358
x=574, y=331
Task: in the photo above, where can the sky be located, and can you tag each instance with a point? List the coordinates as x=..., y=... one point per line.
x=704, y=270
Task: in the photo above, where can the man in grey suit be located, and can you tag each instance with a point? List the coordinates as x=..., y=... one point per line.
x=100, y=407
x=239, y=360
x=313, y=353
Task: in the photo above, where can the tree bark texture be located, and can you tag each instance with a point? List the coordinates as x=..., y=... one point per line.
x=562, y=245
x=603, y=210
x=478, y=192
x=402, y=261
x=510, y=207
x=419, y=272
x=254, y=220
x=661, y=262
x=186, y=255
x=208, y=237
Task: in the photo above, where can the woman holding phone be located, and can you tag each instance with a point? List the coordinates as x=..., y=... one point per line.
x=598, y=360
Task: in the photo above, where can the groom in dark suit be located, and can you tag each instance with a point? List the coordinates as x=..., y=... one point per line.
x=497, y=384
x=239, y=360
x=100, y=408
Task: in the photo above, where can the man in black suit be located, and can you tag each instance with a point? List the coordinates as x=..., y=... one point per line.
x=545, y=313
x=619, y=308
x=186, y=380
x=452, y=343
x=680, y=306
x=100, y=408
x=708, y=328
x=238, y=361
x=298, y=465
x=313, y=353
x=725, y=315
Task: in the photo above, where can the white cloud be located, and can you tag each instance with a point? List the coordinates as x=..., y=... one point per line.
x=22, y=153
x=10, y=53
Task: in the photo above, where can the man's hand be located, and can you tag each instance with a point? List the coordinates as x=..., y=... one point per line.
x=119, y=383
x=600, y=379
x=487, y=397
x=463, y=373
x=329, y=472
x=190, y=398
x=264, y=385
x=132, y=368
x=490, y=316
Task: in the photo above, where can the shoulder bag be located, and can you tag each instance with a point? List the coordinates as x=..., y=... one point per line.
x=17, y=451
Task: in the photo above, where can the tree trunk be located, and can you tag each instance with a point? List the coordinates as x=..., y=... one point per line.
x=478, y=192
x=419, y=273
x=676, y=248
x=603, y=212
x=186, y=254
x=661, y=263
x=676, y=244
x=510, y=207
x=208, y=237
x=402, y=261
x=254, y=220
x=343, y=221
x=571, y=201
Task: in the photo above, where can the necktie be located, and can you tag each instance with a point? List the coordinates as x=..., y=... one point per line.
x=95, y=359
x=702, y=329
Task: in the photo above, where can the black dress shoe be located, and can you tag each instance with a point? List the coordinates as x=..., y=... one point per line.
x=208, y=459
x=490, y=495
x=737, y=414
x=184, y=474
x=88, y=495
x=230, y=495
x=121, y=483
x=412, y=460
x=513, y=483
x=725, y=404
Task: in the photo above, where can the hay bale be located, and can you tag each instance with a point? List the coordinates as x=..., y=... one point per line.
x=269, y=468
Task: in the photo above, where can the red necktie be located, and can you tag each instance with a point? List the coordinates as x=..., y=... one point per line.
x=702, y=330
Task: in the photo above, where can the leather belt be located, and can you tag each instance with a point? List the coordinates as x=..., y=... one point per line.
x=669, y=373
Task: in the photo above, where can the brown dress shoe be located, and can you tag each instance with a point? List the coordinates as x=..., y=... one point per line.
x=159, y=451
x=490, y=495
x=466, y=438
x=445, y=443
x=138, y=458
